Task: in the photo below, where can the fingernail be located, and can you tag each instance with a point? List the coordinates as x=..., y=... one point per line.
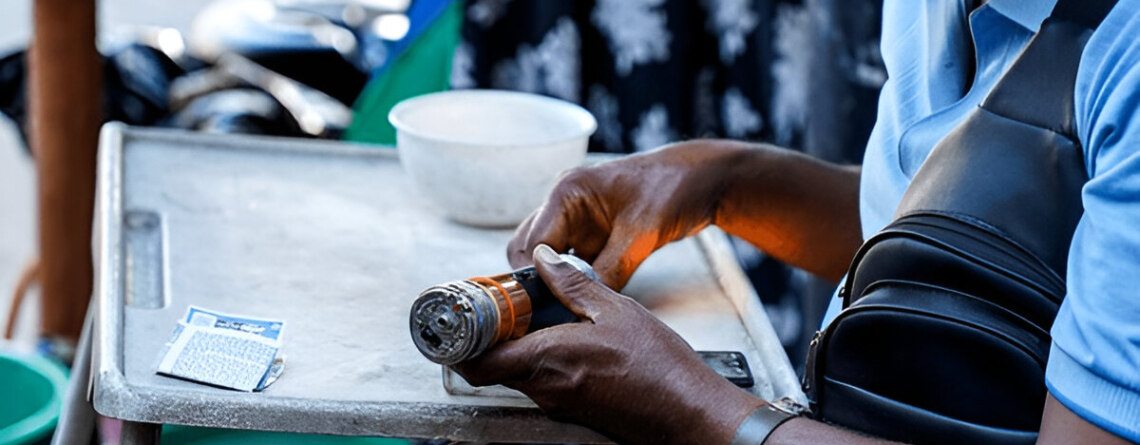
x=544, y=253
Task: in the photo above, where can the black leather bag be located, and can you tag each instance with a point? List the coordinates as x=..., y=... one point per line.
x=944, y=334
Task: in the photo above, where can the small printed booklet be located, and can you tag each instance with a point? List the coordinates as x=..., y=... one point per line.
x=224, y=350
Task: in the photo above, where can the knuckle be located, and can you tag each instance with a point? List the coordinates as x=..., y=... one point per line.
x=575, y=175
x=577, y=381
x=571, y=182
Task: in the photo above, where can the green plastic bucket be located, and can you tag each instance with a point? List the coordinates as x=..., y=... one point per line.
x=185, y=435
x=31, y=393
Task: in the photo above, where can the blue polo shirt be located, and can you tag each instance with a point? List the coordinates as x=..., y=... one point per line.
x=1094, y=364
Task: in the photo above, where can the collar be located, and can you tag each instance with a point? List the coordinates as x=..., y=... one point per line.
x=1027, y=13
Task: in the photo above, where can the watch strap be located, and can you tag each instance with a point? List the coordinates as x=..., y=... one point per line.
x=756, y=428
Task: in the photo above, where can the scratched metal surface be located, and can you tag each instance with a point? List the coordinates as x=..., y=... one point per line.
x=331, y=238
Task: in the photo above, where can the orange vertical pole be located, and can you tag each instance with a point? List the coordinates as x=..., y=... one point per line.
x=65, y=80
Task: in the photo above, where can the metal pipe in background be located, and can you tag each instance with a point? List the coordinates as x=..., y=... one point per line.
x=65, y=79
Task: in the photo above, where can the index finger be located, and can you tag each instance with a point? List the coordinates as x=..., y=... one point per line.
x=570, y=219
x=544, y=226
x=517, y=255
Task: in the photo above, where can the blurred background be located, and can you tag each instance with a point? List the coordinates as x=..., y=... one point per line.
x=17, y=171
x=17, y=184
x=803, y=74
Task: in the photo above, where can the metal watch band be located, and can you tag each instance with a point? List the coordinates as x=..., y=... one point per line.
x=756, y=428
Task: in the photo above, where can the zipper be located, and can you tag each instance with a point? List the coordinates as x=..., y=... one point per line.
x=809, y=367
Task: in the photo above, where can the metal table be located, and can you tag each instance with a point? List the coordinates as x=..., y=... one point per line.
x=331, y=238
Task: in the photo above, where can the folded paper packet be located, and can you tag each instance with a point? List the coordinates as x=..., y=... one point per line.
x=223, y=350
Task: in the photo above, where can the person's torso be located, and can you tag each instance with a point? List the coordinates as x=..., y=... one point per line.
x=928, y=47
x=942, y=60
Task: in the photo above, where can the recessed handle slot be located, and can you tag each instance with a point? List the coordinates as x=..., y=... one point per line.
x=144, y=260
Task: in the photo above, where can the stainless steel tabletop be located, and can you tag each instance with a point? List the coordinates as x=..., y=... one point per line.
x=331, y=238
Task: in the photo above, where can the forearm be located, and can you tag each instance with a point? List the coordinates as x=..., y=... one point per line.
x=796, y=208
x=801, y=431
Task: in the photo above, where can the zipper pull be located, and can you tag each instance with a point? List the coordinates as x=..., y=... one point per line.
x=809, y=365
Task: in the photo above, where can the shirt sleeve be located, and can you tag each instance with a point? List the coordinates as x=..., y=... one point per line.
x=1094, y=362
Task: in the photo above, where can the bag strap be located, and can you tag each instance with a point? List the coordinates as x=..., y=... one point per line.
x=1086, y=13
x=1038, y=88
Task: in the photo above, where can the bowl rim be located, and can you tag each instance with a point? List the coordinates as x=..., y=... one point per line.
x=577, y=111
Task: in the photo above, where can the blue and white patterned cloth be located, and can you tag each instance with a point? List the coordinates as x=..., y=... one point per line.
x=658, y=71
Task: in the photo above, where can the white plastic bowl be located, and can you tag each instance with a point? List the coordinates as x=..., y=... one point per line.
x=486, y=157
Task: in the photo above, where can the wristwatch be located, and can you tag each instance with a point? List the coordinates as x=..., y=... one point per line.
x=756, y=428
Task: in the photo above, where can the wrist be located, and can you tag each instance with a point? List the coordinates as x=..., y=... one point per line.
x=716, y=412
x=759, y=425
x=712, y=171
x=685, y=181
x=748, y=172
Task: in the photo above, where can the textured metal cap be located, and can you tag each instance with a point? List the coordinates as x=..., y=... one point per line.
x=453, y=322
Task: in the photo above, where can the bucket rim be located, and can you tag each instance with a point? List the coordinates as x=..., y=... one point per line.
x=44, y=419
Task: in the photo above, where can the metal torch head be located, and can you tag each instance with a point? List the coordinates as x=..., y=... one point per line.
x=453, y=321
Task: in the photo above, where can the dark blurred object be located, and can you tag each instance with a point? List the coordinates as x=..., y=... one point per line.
x=213, y=101
x=136, y=79
x=324, y=71
x=150, y=80
x=240, y=96
x=14, y=91
x=237, y=110
x=330, y=46
x=316, y=113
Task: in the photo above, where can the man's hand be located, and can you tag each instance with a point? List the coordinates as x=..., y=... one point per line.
x=614, y=215
x=619, y=371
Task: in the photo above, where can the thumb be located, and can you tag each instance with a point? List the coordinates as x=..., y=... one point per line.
x=583, y=296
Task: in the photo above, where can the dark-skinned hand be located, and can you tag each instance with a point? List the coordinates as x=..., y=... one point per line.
x=795, y=208
x=619, y=371
x=613, y=215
